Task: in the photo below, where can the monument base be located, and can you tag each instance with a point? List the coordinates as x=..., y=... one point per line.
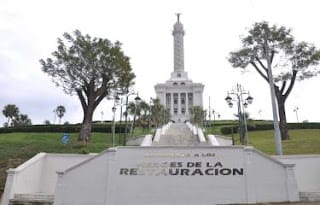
x=177, y=175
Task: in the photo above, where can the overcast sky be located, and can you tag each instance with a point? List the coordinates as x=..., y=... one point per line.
x=29, y=32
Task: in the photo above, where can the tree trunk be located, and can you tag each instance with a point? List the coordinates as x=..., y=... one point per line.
x=85, y=131
x=283, y=119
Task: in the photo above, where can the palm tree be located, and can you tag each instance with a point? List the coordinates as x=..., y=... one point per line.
x=60, y=110
x=134, y=109
x=197, y=115
x=22, y=120
x=159, y=115
x=144, y=112
x=11, y=112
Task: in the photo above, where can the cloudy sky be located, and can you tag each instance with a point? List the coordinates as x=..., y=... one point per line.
x=29, y=30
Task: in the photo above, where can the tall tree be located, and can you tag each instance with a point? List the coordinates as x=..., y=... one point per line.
x=289, y=60
x=91, y=68
x=11, y=112
x=60, y=110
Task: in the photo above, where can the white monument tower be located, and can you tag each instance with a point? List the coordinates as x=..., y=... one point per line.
x=179, y=94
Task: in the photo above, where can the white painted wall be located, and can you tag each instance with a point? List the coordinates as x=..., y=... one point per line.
x=201, y=137
x=266, y=174
x=157, y=136
x=85, y=183
x=224, y=141
x=58, y=162
x=307, y=171
x=24, y=179
x=147, y=141
x=213, y=140
x=98, y=180
x=38, y=175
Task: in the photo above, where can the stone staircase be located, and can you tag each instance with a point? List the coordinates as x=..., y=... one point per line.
x=32, y=199
x=178, y=135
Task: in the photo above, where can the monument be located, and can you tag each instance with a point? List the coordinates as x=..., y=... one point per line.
x=179, y=94
x=176, y=166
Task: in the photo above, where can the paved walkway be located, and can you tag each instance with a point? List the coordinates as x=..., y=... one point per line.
x=178, y=135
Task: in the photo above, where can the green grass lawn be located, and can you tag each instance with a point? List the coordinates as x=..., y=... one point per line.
x=306, y=141
x=25, y=145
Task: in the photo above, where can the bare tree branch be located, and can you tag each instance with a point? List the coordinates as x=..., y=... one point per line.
x=293, y=80
x=259, y=71
x=82, y=100
x=283, y=86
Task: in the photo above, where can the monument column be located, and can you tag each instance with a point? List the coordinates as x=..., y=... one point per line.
x=171, y=104
x=187, y=104
x=179, y=103
x=178, y=34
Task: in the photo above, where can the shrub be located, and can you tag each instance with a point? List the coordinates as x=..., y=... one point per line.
x=105, y=128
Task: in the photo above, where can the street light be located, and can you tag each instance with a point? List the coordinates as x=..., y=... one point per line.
x=126, y=114
x=116, y=99
x=137, y=101
x=296, y=111
x=238, y=92
x=150, y=105
x=113, y=125
x=214, y=113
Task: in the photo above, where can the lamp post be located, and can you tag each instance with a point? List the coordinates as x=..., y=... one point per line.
x=137, y=101
x=113, y=124
x=150, y=105
x=209, y=113
x=126, y=114
x=116, y=101
x=120, y=104
x=296, y=111
x=238, y=92
x=214, y=114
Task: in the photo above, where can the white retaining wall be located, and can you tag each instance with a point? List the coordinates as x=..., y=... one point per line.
x=147, y=141
x=201, y=137
x=157, y=136
x=165, y=128
x=213, y=140
x=38, y=175
x=307, y=171
x=86, y=183
x=96, y=179
x=190, y=126
x=139, y=175
x=224, y=141
x=161, y=131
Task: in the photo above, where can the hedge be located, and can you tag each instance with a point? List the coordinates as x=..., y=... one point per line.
x=257, y=127
x=64, y=128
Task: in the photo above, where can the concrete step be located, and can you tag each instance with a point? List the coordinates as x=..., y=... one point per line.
x=178, y=134
x=32, y=199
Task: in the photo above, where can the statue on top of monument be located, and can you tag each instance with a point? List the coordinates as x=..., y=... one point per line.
x=178, y=16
